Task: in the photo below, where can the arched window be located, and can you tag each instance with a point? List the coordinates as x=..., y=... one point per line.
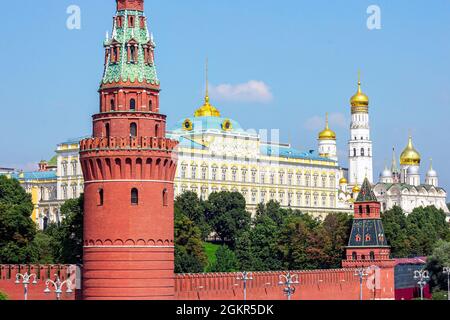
x=165, y=198
x=132, y=105
x=354, y=152
x=372, y=255
x=132, y=54
x=368, y=209
x=113, y=105
x=150, y=105
x=360, y=208
x=134, y=197
x=354, y=256
x=133, y=130
x=100, y=197
x=362, y=152
x=157, y=130
x=107, y=130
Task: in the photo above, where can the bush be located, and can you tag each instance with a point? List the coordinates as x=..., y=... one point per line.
x=3, y=296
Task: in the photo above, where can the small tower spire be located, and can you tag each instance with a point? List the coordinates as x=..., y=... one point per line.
x=207, y=82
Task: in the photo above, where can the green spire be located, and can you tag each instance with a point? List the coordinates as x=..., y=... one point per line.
x=122, y=70
x=366, y=194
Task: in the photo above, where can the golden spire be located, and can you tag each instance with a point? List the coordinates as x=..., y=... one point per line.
x=410, y=156
x=360, y=101
x=327, y=134
x=207, y=110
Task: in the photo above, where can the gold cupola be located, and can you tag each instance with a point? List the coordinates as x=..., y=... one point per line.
x=327, y=134
x=360, y=101
x=207, y=110
x=410, y=156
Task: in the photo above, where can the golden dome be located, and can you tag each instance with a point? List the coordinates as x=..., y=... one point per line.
x=343, y=181
x=327, y=134
x=360, y=101
x=356, y=189
x=410, y=156
x=207, y=110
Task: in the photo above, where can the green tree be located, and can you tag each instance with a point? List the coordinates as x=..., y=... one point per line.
x=395, y=228
x=301, y=245
x=227, y=215
x=190, y=205
x=43, y=245
x=190, y=255
x=335, y=229
x=225, y=261
x=17, y=229
x=440, y=258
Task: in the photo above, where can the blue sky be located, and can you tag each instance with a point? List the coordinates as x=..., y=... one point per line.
x=302, y=56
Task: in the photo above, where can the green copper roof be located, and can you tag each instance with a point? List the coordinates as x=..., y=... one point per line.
x=53, y=161
x=366, y=194
x=123, y=71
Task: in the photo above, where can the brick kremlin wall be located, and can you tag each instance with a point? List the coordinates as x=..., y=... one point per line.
x=36, y=291
x=339, y=284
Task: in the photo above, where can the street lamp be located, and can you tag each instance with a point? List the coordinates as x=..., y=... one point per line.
x=287, y=281
x=58, y=285
x=447, y=272
x=25, y=281
x=244, y=277
x=422, y=276
x=361, y=273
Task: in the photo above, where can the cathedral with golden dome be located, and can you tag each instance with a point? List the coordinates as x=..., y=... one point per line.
x=397, y=186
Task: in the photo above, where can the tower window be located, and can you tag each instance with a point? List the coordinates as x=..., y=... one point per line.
x=134, y=197
x=372, y=255
x=354, y=152
x=133, y=130
x=362, y=152
x=132, y=54
x=107, y=130
x=360, y=208
x=368, y=209
x=113, y=105
x=100, y=197
x=132, y=105
x=165, y=198
x=354, y=256
x=150, y=105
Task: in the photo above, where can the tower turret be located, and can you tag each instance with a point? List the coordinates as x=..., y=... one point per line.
x=327, y=142
x=129, y=168
x=360, y=145
x=432, y=176
x=367, y=246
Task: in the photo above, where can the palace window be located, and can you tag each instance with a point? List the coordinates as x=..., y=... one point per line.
x=64, y=167
x=307, y=180
x=74, y=191
x=224, y=174
x=316, y=178
x=194, y=172
x=74, y=168
x=299, y=179
x=253, y=196
x=290, y=179
x=281, y=175
x=234, y=173
x=183, y=171
x=214, y=173
x=64, y=188
x=272, y=178
x=324, y=181
x=134, y=197
x=324, y=201
x=316, y=200
x=204, y=172
x=254, y=175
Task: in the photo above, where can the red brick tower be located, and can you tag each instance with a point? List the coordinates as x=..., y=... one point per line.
x=128, y=168
x=368, y=246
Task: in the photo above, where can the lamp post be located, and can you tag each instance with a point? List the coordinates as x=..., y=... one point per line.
x=58, y=285
x=361, y=273
x=423, y=276
x=287, y=281
x=244, y=277
x=447, y=272
x=25, y=281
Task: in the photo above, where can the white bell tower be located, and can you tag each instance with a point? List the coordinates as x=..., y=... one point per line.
x=360, y=143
